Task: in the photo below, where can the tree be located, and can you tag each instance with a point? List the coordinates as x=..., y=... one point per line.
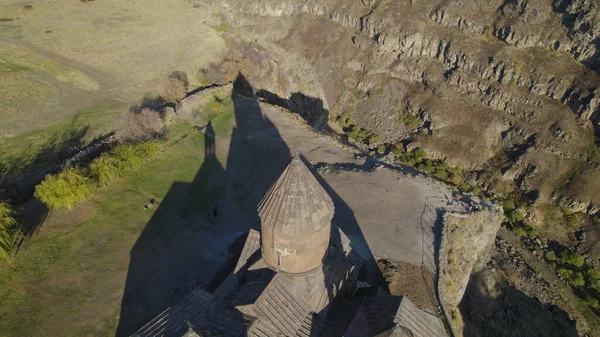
x=64, y=190
x=571, y=259
x=9, y=231
x=181, y=76
x=140, y=126
x=173, y=90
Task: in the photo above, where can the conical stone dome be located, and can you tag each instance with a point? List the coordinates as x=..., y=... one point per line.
x=296, y=218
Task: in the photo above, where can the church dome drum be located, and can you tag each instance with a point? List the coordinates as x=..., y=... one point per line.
x=295, y=218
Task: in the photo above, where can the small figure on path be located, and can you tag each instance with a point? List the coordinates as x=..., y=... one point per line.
x=209, y=218
x=215, y=212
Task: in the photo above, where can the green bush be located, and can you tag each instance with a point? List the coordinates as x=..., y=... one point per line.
x=566, y=273
x=508, y=205
x=591, y=302
x=9, y=231
x=595, y=285
x=72, y=186
x=104, y=169
x=514, y=216
x=65, y=189
x=419, y=154
x=574, y=221
x=571, y=259
x=532, y=232
x=398, y=150
x=519, y=231
x=407, y=119
x=374, y=139
x=593, y=274
x=121, y=159
x=577, y=280
x=551, y=256
x=593, y=277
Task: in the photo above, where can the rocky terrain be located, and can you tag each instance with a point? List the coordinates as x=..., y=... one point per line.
x=508, y=291
x=494, y=91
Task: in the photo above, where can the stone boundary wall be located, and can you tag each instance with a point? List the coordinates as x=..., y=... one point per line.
x=187, y=107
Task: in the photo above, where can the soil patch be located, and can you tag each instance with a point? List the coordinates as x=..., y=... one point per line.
x=408, y=280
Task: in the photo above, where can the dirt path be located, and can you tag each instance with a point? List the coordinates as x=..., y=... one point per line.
x=109, y=88
x=574, y=305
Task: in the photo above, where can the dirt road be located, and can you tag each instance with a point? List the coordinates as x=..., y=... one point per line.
x=109, y=88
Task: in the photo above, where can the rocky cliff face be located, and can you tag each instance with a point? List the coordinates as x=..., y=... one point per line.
x=504, y=89
x=468, y=240
x=466, y=247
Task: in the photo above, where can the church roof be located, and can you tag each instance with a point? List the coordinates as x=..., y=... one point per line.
x=296, y=203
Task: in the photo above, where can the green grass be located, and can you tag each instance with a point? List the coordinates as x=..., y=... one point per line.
x=35, y=149
x=68, y=280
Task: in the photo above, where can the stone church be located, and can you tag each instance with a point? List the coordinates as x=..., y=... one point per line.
x=298, y=276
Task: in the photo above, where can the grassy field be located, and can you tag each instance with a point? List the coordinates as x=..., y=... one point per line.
x=36, y=90
x=25, y=159
x=69, y=279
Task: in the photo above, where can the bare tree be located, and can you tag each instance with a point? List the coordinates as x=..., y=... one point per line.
x=182, y=76
x=144, y=125
x=173, y=90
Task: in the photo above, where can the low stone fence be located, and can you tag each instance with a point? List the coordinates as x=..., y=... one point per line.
x=188, y=107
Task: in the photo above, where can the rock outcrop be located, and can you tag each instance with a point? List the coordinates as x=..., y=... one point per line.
x=466, y=246
x=468, y=240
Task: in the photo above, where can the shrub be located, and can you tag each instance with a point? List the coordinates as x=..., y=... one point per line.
x=566, y=273
x=9, y=231
x=595, y=285
x=374, y=139
x=591, y=302
x=593, y=274
x=123, y=158
x=532, y=232
x=508, y=205
x=571, y=259
x=212, y=74
x=64, y=190
x=182, y=77
x=577, y=280
x=551, y=256
x=398, y=149
x=353, y=132
x=216, y=106
x=173, y=90
x=381, y=149
x=419, y=154
x=409, y=120
x=514, y=216
x=574, y=221
x=519, y=231
x=104, y=169
x=144, y=125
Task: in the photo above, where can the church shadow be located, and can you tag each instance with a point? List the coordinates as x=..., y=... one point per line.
x=184, y=245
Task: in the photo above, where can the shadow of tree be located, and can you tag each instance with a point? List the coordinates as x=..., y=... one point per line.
x=19, y=174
